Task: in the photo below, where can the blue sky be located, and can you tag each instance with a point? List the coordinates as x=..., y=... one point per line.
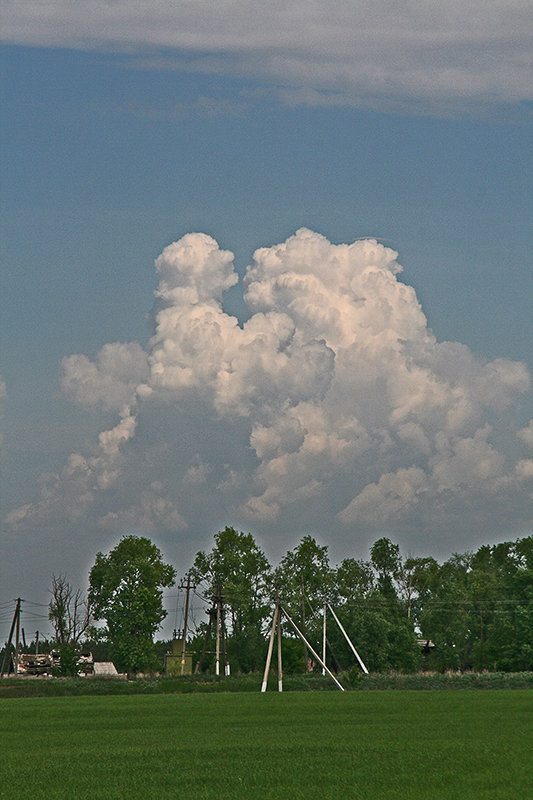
x=114, y=147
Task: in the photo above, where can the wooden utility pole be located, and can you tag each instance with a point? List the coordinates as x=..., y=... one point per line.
x=16, y=621
x=188, y=590
x=17, y=642
x=324, y=638
x=270, y=648
x=216, y=617
x=217, y=646
x=280, y=667
x=200, y=661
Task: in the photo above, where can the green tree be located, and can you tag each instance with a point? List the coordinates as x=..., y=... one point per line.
x=477, y=608
x=386, y=560
x=125, y=590
x=352, y=580
x=446, y=614
x=303, y=579
x=373, y=614
x=241, y=570
x=502, y=587
x=419, y=577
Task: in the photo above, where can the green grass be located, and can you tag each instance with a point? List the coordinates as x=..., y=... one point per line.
x=354, y=680
x=293, y=746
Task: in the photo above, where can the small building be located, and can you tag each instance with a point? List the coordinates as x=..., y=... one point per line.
x=174, y=657
x=425, y=645
x=105, y=669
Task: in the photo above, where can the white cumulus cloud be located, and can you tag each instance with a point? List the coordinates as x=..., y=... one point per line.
x=333, y=406
x=526, y=434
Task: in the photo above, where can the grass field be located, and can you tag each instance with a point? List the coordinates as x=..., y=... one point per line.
x=293, y=746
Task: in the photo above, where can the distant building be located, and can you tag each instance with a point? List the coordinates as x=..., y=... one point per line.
x=106, y=668
x=173, y=659
x=426, y=646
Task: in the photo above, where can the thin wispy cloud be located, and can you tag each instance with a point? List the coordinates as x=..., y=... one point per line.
x=435, y=57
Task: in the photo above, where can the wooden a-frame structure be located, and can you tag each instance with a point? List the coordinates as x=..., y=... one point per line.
x=280, y=612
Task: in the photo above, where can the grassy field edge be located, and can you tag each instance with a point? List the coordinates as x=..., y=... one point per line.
x=63, y=687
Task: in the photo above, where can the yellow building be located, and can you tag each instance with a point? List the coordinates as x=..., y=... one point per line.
x=173, y=659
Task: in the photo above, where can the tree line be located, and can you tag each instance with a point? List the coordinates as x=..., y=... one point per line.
x=474, y=611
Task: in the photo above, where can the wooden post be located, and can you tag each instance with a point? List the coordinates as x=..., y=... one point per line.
x=324, y=638
x=17, y=642
x=358, y=657
x=304, y=640
x=223, y=636
x=270, y=648
x=8, y=647
x=182, y=668
x=280, y=665
x=217, y=646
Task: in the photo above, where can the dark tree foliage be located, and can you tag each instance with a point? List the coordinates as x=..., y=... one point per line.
x=239, y=569
x=369, y=602
x=126, y=591
x=302, y=581
x=476, y=609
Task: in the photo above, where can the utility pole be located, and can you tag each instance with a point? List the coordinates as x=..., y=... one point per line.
x=216, y=616
x=36, y=643
x=217, y=646
x=188, y=590
x=270, y=648
x=17, y=640
x=280, y=666
x=324, y=637
x=16, y=621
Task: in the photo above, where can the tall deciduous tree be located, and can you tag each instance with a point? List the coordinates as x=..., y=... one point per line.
x=68, y=611
x=126, y=591
x=70, y=614
x=304, y=576
x=303, y=579
x=240, y=569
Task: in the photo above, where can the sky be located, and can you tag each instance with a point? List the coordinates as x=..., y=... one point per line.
x=263, y=266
